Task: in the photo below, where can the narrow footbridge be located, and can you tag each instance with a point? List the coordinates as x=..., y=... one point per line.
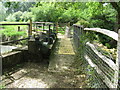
x=42, y=37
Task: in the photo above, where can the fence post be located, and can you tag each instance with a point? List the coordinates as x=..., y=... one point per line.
x=18, y=28
x=30, y=28
x=43, y=26
x=57, y=27
x=49, y=32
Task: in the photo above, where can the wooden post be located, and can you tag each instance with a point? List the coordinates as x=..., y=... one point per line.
x=43, y=26
x=18, y=28
x=36, y=27
x=57, y=27
x=49, y=32
x=53, y=27
x=30, y=29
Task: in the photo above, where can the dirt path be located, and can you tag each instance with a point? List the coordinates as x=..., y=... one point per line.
x=58, y=74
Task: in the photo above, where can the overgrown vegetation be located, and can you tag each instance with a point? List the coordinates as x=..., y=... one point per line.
x=89, y=14
x=9, y=33
x=2, y=86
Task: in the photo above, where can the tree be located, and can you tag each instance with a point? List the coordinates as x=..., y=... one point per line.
x=116, y=6
x=2, y=12
x=17, y=6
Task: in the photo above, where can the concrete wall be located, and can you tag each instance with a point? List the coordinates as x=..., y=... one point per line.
x=13, y=58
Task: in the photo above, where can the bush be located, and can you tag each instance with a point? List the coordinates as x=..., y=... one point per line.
x=46, y=12
x=11, y=18
x=83, y=22
x=27, y=16
x=20, y=16
x=17, y=15
x=12, y=33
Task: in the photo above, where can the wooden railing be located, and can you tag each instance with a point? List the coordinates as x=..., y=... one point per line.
x=44, y=26
x=107, y=69
x=16, y=24
x=20, y=23
x=32, y=26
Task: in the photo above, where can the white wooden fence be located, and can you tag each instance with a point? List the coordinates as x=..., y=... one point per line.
x=105, y=67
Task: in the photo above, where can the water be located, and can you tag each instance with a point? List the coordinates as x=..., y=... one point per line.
x=6, y=49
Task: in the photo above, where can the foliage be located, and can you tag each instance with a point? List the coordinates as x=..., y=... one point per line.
x=69, y=15
x=2, y=12
x=12, y=32
x=46, y=12
x=17, y=15
x=56, y=12
x=106, y=19
x=13, y=7
x=2, y=86
x=14, y=17
x=11, y=18
x=20, y=16
x=83, y=22
x=26, y=16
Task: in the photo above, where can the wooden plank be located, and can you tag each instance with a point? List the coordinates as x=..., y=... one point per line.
x=4, y=43
x=57, y=27
x=21, y=49
x=30, y=28
x=81, y=26
x=39, y=25
x=46, y=30
x=42, y=22
x=106, y=80
x=105, y=59
x=109, y=33
x=9, y=54
x=15, y=24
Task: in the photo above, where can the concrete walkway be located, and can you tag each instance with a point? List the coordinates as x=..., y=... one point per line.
x=62, y=56
x=58, y=74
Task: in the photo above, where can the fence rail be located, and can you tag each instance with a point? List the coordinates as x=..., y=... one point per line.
x=105, y=67
x=20, y=23
x=30, y=25
x=109, y=33
x=5, y=43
